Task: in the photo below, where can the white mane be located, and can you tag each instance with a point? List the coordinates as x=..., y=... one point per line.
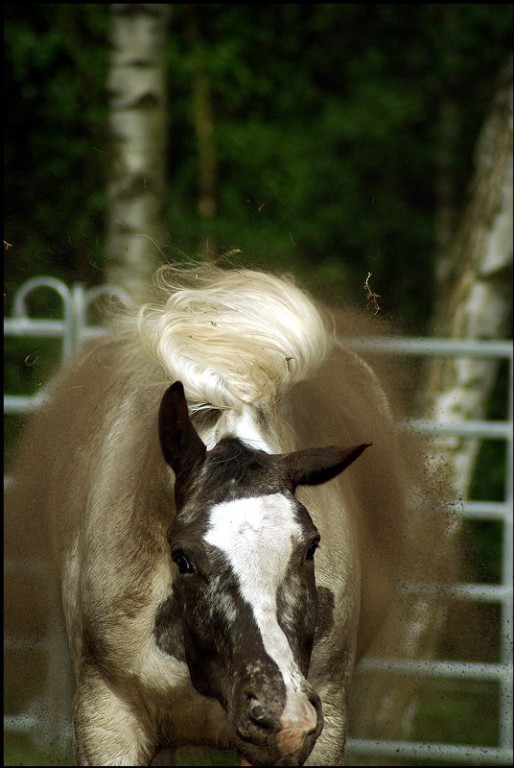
x=233, y=337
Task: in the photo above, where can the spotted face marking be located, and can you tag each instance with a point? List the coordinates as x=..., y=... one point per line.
x=258, y=537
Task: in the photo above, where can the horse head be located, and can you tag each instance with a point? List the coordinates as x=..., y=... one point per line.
x=244, y=547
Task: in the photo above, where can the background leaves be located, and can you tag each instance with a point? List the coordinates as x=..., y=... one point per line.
x=326, y=135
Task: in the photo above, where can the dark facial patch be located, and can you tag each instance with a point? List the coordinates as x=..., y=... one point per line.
x=169, y=635
x=221, y=637
x=234, y=470
x=297, y=610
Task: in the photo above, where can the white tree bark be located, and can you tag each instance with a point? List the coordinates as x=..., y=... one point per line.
x=475, y=302
x=478, y=304
x=138, y=127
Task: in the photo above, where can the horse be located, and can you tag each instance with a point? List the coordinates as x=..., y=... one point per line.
x=220, y=485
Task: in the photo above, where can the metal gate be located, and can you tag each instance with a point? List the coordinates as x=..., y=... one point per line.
x=74, y=327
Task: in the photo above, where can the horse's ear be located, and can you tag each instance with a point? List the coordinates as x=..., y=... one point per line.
x=314, y=466
x=180, y=444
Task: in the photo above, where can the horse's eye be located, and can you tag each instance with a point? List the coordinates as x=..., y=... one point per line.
x=182, y=561
x=312, y=549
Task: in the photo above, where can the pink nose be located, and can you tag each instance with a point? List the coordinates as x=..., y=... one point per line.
x=294, y=732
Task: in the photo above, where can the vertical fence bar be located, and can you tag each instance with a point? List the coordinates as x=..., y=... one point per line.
x=506, y=697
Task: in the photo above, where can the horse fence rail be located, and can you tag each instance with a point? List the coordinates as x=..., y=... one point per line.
x=74, y=327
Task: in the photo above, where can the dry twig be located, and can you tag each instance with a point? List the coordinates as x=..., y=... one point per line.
x=371, y=295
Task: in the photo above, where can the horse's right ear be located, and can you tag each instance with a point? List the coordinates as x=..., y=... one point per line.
x=180, y=444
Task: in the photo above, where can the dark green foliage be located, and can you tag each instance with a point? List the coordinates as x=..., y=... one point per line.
x=326, y=121
x=326, y=131
x=55, y=150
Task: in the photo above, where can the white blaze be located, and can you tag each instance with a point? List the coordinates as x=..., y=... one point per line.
x=257, y=537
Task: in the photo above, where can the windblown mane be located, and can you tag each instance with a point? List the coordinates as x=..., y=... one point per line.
x=233, y=336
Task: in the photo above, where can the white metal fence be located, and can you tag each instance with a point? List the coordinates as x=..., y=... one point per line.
x=74, y=327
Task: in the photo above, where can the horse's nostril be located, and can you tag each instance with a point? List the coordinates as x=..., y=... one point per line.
x=261, y=716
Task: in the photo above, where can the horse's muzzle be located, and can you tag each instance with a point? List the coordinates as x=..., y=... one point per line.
x=268, y=736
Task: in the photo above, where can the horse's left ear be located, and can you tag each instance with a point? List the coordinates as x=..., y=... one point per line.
x=180, y=444
x=314, y=466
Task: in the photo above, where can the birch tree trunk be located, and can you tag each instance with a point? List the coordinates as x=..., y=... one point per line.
x=475, y=302
x=138, y=132
x=474, y=284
